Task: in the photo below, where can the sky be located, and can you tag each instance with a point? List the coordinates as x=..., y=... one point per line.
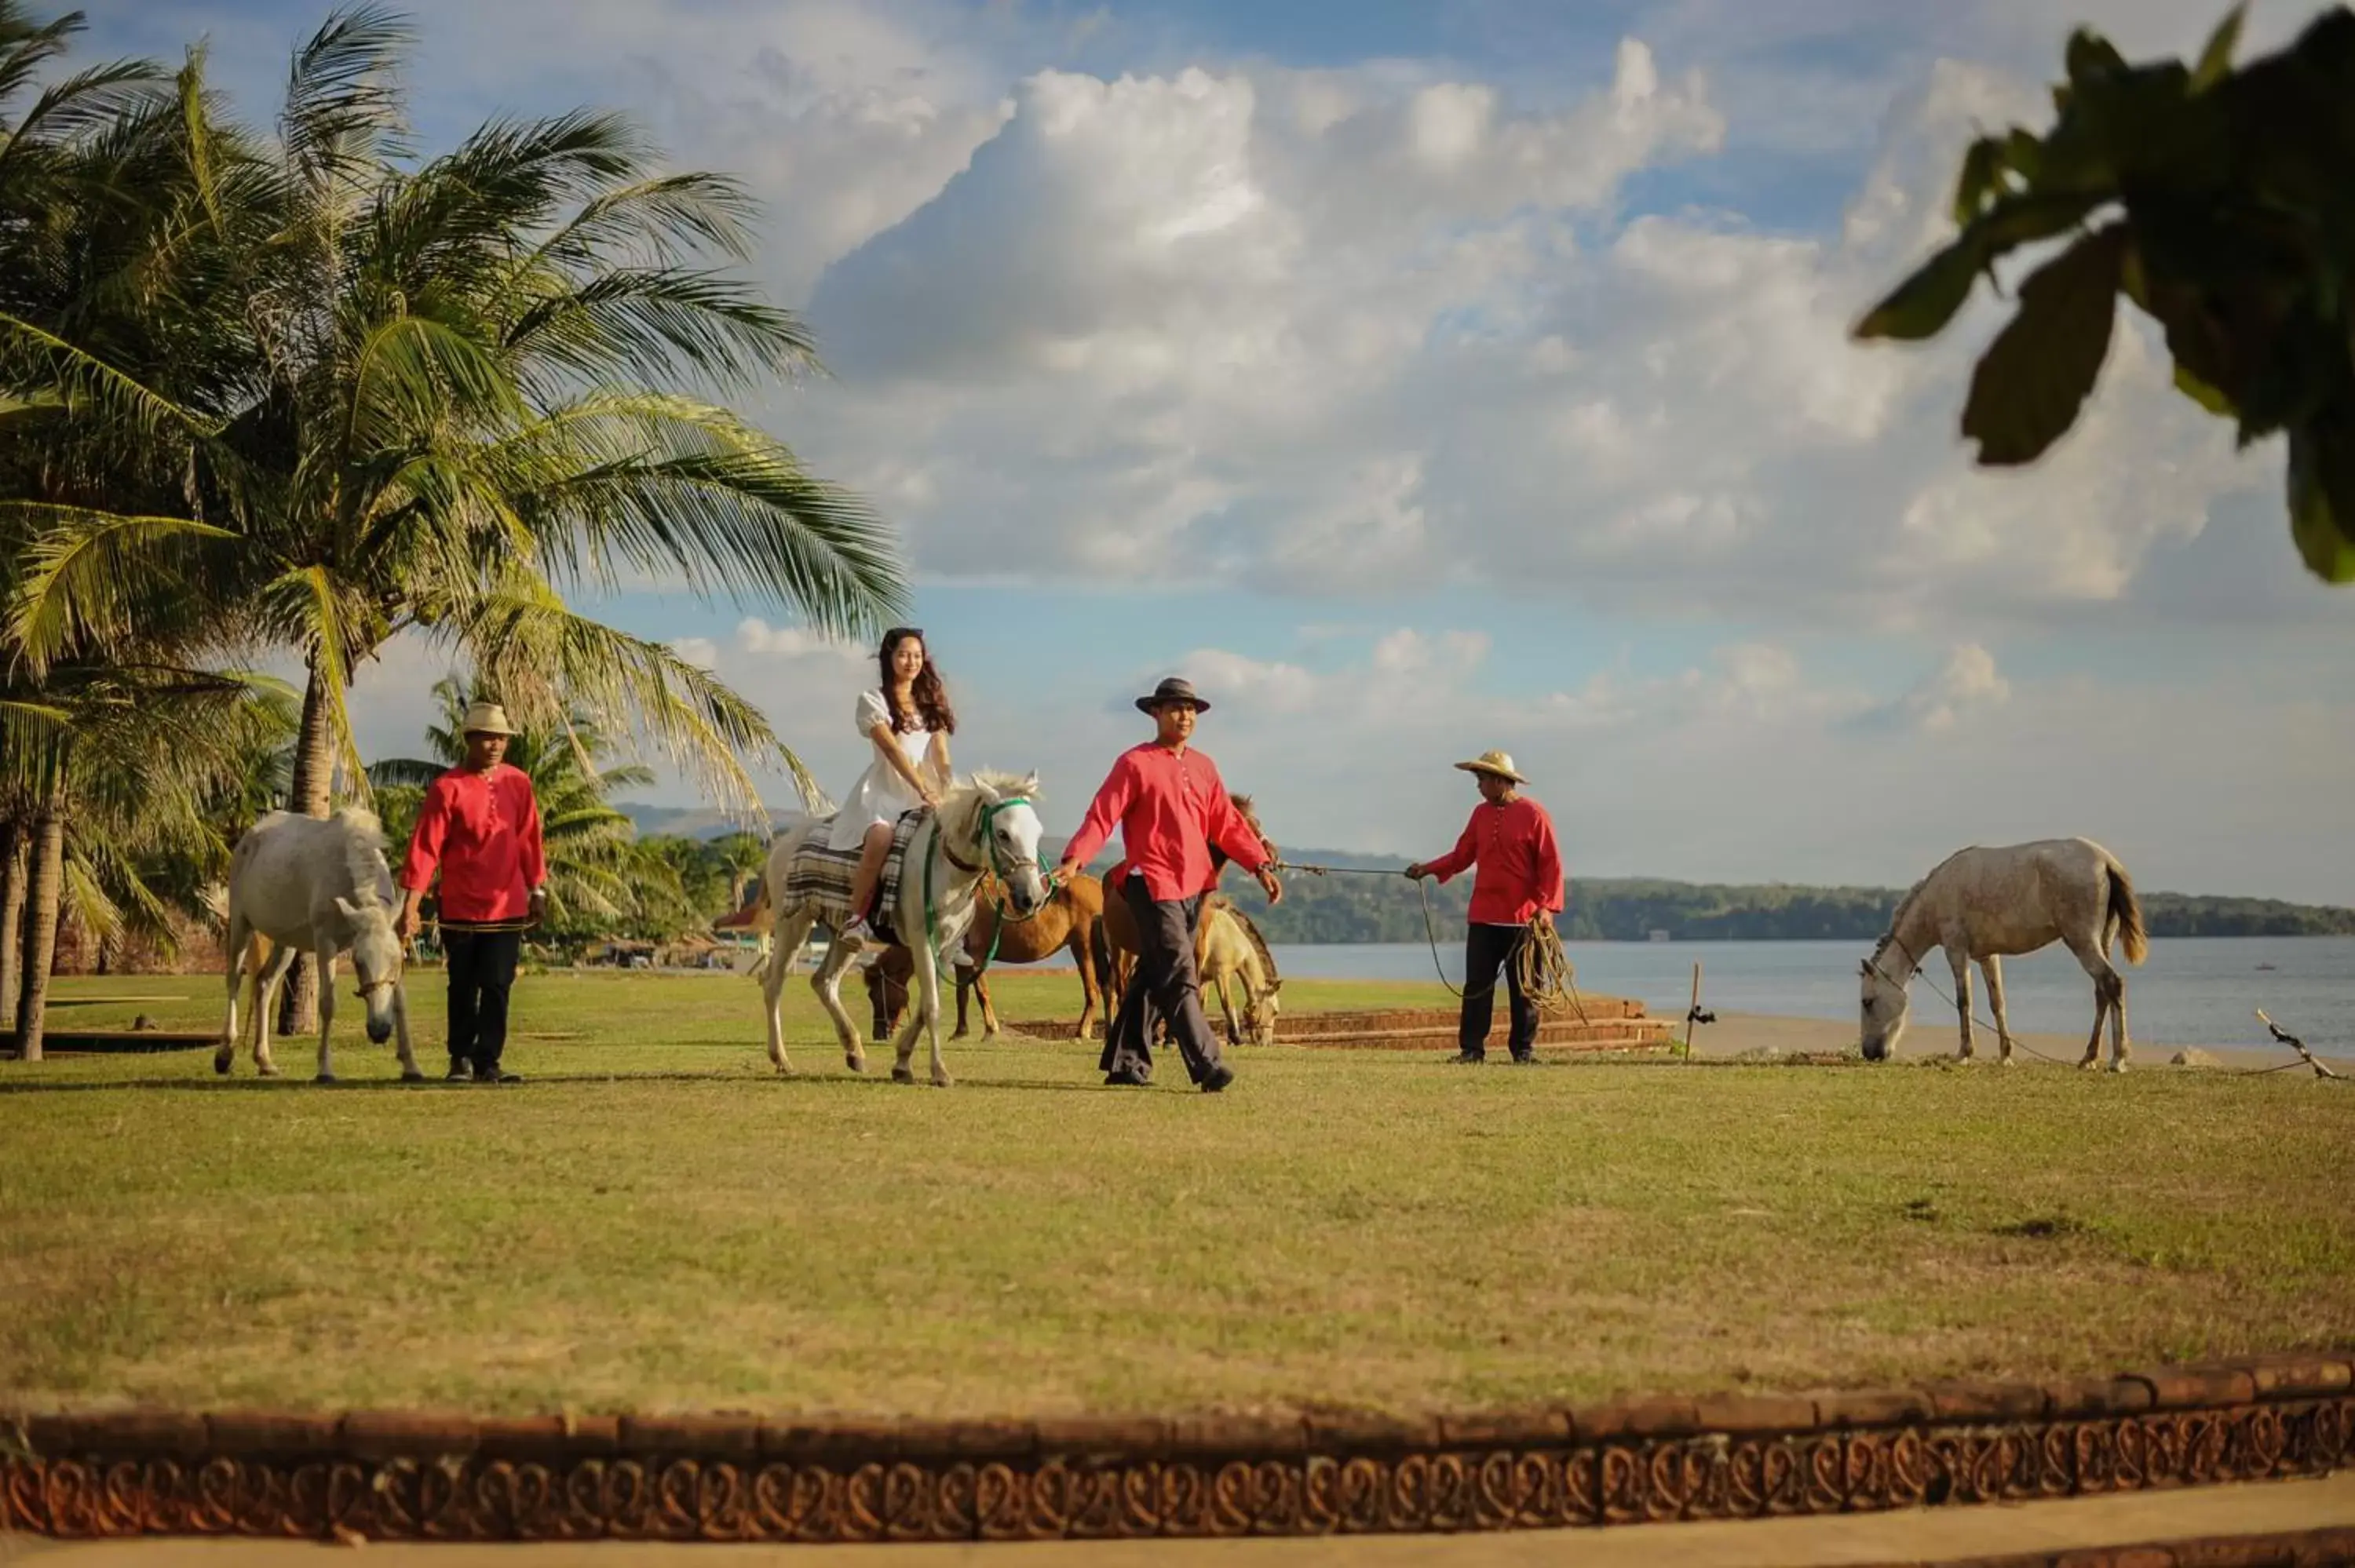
x=1419, y=379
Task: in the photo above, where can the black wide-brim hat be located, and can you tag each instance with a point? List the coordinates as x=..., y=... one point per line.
x=1173, y=690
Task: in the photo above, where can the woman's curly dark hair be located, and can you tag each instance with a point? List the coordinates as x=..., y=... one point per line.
x=930, y=696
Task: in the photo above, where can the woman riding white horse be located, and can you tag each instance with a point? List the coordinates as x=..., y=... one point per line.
x=988, y=823
x=908, y=721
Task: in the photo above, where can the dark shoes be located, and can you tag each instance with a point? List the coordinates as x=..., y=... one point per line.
x=1126, y=1078
x=1466, y=1059
x=1217, y=1078
x=493, y=1074
x=460, y=1072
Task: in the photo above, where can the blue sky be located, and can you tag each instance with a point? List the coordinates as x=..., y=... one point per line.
x=1421, y=378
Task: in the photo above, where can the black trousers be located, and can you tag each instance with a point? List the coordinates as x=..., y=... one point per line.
x=482, y=972
x=1486, y=950
x=1166, y=985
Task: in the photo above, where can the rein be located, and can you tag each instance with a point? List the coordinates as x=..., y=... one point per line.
x=997, y=868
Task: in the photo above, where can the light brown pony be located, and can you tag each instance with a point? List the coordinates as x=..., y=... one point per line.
x=1230, y=947
x=1067, y=923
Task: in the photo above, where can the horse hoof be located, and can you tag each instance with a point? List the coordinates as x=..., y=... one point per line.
x=902, y=1075
x=2118, y=1066
x=942, y=1081
x=267, y=1071
x=855, y=1064
x=413, y=1076
x=324, y=1078
x=220, y=1065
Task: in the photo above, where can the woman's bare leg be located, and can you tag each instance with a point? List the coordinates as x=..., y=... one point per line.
x=871, y=851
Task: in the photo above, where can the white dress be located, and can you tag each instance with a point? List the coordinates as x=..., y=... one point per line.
x=880, y=794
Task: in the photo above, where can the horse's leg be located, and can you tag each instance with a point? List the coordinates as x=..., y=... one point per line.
x=926, y=1013
x=239, y=935
x=785, y=939
x=988, y=1008
x=410, y=1072
x=2117, y=983
x=265, y=993
x=827, y=983
x=1992, y=967
x=1961, y=966
x=327, y=956
x=1077, y=946
x=1227, y=1006
x=2106, y=990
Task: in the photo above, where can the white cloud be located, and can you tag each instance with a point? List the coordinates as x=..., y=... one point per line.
x=1337, y=335
x=1968, y=683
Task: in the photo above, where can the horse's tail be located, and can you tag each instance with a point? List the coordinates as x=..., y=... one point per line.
x=2126, y=910
x=1100, y=959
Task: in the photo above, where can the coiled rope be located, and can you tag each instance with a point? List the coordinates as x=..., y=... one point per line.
x=1547, y=977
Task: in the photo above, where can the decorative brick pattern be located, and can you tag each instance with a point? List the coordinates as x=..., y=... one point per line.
x=395, y=1476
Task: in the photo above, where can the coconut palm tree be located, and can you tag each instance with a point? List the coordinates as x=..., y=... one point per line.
x=466, y=387
x=111, y=732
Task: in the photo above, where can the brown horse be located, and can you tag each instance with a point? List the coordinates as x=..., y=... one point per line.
x=1066, y=923
x=1120, y=947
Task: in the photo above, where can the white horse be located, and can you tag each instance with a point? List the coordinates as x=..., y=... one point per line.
x=321, y=887
x=1985, y=902
x=987, y=822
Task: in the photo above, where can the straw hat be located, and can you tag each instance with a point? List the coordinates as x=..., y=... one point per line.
x=1499, y=763
x=485, y=718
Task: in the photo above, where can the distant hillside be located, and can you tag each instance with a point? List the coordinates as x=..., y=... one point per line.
x=1618, y=910
x=1629, y=909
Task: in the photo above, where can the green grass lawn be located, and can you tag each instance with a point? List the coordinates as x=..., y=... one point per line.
x=658, y=1221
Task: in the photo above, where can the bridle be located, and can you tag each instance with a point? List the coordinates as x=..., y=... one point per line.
x=1872, y=964
x=374, y=985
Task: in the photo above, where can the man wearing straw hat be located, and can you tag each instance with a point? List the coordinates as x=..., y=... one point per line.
x=1511, y=838
x=1170, y=805
x=479, y=824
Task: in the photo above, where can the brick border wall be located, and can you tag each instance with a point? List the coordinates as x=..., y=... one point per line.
x=397, y=1476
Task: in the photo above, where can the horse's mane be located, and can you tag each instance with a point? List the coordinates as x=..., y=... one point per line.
x=1913, y=896
x=1250, y=929
x=960, y=810
x=363, y=846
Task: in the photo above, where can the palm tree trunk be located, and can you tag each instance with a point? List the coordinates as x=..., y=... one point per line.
x=313, y=795
x=44, y=896
x=16, y=847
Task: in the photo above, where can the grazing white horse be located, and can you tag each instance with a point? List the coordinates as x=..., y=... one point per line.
x=1983, y=904
x=984, y=824
x=320, y=887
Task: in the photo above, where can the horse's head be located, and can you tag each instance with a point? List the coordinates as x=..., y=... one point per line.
x=1884, y=1006
x=376, y=960
x=1260, y=1016
x=1006, y=824
x=1250, y=815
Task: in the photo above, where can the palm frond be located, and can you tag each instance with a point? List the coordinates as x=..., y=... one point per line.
x=93, y=577
x=343, y=113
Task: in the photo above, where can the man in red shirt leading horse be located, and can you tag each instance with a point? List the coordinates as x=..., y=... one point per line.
x=1169, y=804
x=1511, y=838
x=479, y=823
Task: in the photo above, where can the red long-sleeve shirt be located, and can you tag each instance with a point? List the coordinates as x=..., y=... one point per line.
x=1520, y=866
x=1170, y=807
x=483, y=830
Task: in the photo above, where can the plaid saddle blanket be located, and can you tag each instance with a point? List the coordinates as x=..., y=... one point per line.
x=823, y=876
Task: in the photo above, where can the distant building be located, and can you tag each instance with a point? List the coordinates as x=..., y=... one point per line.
x=1659, y=936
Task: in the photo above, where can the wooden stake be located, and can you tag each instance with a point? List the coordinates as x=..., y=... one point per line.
x=2295, y=1044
